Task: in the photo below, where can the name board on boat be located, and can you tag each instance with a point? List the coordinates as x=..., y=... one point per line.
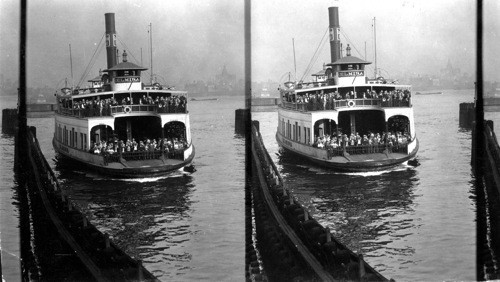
x=127, y=79
x=286, y=142
x=351, y=73
x=63, y=148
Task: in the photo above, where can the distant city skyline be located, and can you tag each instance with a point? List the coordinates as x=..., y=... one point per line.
x=412, y=36
x=193, y=40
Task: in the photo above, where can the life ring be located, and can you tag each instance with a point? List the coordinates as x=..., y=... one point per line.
x=127, y=110
x=351, y=103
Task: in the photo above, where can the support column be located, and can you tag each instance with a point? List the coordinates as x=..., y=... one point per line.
x=353, y=123
x=386, y=135
x=129, y=130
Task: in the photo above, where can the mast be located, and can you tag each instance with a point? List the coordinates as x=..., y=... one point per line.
x=151, y=49
x=365, y=50
x=71, y=66
x=294, y=62
x=375, y=41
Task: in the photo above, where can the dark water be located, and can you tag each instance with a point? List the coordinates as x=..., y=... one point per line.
x=411, y=223
x=183, y=226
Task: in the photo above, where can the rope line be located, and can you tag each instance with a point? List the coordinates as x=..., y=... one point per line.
x=315, y=55
x=92, y=61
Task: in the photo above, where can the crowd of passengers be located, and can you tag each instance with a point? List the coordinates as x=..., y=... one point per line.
x=147, y=145
x=369, y=139
x=102, y=107
x=327, y=99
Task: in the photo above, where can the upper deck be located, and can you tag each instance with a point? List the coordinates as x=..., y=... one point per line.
x=312, y=97
x=111, y=103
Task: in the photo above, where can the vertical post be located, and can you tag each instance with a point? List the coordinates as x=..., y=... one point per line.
x=353, y=123
x=362, y=271
x=151, y=48
x=328, y=234
x=129, y=130
x=386, y=135
x=107, y=243
x=21, y=143
x=479, y=125
x=140, y=274
x=294, y=62
x=71, y=66
x=375, y=44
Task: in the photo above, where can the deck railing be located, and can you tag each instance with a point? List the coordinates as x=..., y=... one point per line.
x=145, y=155
x=125, y=109
x=366, y=149
x=344, y=103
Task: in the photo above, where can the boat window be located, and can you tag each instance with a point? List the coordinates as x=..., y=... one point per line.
x=122, y=98
x=103, y=97
x=344, y=90
x=125, y=73
x=383, y=88
x=136, y=97
x=159, y=95
x=298, y=133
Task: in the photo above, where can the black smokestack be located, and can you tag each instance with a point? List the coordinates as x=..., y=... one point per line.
x=110, y=39
x=333, y=15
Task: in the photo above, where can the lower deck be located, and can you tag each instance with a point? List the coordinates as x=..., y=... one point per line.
x=140, y=164
x=360, y=158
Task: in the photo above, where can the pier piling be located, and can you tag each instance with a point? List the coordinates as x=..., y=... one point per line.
x=242, y=120
x=51, y=225
x=292, y=244
x=485, y=165
x=9, y=121
x=466, y=115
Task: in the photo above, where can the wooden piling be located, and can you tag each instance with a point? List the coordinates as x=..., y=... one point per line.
x=466, y=115
x=9, y=121
x=242, y=119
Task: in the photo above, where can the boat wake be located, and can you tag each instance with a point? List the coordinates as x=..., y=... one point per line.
x=402, y=167
x=174, y=174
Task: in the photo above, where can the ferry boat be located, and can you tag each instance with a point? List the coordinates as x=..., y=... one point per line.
x=121, y=127
x=345, y=121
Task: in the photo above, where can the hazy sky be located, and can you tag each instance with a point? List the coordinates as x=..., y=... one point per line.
x=191, y=38
x=415, y=36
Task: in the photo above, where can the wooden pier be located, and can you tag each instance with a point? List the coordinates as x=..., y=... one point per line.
x=486, y=167
x=292, y=245
x=57, y=241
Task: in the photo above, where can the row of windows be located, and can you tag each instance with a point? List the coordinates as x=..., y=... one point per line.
x=294, y=132
x=71, y=137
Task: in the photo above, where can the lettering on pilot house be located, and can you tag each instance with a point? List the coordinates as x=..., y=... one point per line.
x=127, y=79
x=351, y=73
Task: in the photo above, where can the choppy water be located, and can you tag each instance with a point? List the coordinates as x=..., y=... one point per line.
x=184, y=226
x=411, y=223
